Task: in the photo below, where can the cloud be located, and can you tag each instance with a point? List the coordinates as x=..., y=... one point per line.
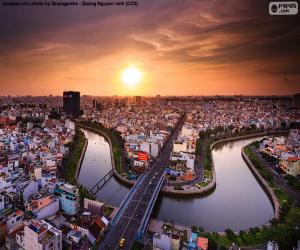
x=194, y=34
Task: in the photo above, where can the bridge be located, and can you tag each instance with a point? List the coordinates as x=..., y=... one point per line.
x=95, y=189
x=132, y=217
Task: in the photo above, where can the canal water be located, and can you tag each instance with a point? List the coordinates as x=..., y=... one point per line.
x=97, y=163
x=238, y=201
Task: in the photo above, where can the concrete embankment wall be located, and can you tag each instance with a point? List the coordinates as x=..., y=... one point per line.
x=268, y=190
x=119, y=177
x=179, y=193
x=212, y=185
x=81, y=159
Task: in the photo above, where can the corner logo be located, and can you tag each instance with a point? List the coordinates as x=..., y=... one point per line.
x=283, y=8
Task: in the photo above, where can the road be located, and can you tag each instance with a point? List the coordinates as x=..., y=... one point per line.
x=130, y=220
x=280, y=181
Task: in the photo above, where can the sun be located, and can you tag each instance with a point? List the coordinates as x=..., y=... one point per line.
x=131, y=76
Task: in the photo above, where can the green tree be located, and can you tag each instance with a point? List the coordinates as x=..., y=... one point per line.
x=230, y=234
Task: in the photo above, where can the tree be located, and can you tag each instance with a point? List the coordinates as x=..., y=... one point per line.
x=230, y=234
x=212, y=244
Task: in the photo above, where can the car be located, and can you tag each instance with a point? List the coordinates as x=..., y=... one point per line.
x=122, y=242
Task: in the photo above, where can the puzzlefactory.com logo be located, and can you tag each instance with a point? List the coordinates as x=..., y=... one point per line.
x=283, y=8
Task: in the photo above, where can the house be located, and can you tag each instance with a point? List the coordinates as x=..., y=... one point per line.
x=14, y=221
x=179, y=146
x=290, y=166
x=39, y=235
x=272, y=245
x=42, y=206
x=202, y=243
x=162, y=241
x=4, y=202
x=30, y=188
x=68, y=196
x=175, y=242
x=193, y=241
x=94, y=207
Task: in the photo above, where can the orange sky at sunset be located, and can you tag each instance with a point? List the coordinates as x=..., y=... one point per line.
x=191, y=48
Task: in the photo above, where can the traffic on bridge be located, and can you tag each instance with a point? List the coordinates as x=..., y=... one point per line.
x=135, y=210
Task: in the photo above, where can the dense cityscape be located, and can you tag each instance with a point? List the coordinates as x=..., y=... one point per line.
x=159, y=146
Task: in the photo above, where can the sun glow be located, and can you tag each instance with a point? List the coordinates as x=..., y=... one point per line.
x=131, y=76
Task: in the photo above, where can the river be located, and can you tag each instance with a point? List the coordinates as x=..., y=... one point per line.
x=238, y=201
x=96, y=163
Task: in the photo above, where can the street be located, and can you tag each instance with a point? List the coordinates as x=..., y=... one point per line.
x=277, y=177
x=131, y=219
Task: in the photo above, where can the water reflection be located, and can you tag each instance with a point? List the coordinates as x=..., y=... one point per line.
x=238, y=201
x=96, y=164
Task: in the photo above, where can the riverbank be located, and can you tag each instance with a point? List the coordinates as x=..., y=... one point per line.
x=192, y=190
x=72, y=163
x=81, y=159
x=264, y=184
x=113, y=149
x=184, y=191
x=217, y=162
x=283, y=227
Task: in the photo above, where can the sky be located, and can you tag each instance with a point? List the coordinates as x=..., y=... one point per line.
x=181, y=47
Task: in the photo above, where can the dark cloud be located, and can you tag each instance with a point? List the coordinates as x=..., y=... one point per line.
x=186, y=31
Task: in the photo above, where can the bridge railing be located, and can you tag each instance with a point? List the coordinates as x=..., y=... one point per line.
x=96, y=186
x=149, y=209
x=127, y=199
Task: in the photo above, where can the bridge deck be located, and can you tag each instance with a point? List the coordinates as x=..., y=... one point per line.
x=95, y=189
x=140, y=202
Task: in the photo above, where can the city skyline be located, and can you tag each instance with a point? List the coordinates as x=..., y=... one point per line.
x=187, y=48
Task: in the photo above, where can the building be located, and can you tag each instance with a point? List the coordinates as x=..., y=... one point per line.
x=68, y=196
x=272, y=245
x=96, y=105
x=94, y=207
x=179, y=146
x=14, y=221
x=290, y=166
x=188, y=158
x=175, y=242
x=71, y=103
x=42, y=206
x=202, y=243
x=39, y=235
x=4, y=202
x=162, y=241
x=137, y=100
x=296, y=100
x=193, y=241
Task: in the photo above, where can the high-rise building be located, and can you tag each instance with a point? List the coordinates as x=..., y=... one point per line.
x=96, y=105
x=296, y=100
x=71, y=103
x=137, y=100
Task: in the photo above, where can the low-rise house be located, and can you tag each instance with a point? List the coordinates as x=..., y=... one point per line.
x=68, y=196
x=162, y=241
x=202, y=243
x=41, y=206
x=40, y=235
x=14, y=221
x=175, y=242
x=193, y=241
x=4, y=202
x=290, y=166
